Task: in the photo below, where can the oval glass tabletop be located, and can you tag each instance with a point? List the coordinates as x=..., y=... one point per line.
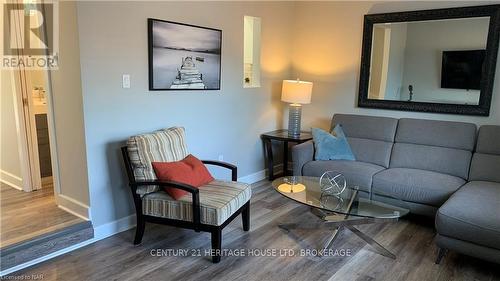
x=350, y=201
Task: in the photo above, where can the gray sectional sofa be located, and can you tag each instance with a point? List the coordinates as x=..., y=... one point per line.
x=435, y=167
x=469, y=221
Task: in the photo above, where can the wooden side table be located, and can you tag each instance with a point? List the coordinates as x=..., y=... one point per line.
x=282, y=136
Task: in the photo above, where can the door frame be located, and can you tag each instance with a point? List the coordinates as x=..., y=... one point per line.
x=20, y=105
x=27, y=155
x=30, y=129
x=25, y=180
x=52, y=133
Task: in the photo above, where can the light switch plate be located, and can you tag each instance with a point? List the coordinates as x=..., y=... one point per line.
x=126, y=81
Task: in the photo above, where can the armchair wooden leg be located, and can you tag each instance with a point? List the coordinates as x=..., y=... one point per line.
x=216, y=245
x=245, y=216
x=139, y=230
x=442, y=252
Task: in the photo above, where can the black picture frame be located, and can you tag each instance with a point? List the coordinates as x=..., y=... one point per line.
x=488, y=71
x=151, y=58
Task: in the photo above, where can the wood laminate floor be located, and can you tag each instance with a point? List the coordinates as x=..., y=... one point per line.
x=25, y=215
x=115, y=258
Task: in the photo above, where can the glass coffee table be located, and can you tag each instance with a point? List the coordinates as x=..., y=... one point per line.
x=343, y=206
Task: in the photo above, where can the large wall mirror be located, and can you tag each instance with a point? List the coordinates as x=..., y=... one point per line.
x=434, y=61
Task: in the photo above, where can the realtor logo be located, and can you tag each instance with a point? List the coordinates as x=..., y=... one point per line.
x=30, y=35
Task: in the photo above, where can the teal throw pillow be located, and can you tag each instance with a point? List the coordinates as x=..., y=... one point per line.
x=331, y=146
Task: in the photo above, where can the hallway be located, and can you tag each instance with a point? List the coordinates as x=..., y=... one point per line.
x=25, y=215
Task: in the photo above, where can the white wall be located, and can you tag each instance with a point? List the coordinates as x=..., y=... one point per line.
x=396, y=61
x=10, y=165
x=37, y=78
x=113, y=41
x=377, y=62
x=68, y=110
x=327, y=51
x=423, y=57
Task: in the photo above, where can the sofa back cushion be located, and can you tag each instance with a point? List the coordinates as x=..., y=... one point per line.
x=486, y=160
x=371, y=138
x=439, y=146
x=167, y=145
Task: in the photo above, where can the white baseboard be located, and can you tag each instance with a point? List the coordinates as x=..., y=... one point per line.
x=11, y=180
x=126, y=223
x=114, y=227
x=253, y=178
x=260, y=175
x=117, y=226
x=73, y=206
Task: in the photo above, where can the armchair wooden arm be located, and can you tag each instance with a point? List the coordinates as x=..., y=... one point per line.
x=233, y=168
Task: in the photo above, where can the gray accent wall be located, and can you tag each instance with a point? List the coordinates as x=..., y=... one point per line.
x=316, y=41
x=113, y=41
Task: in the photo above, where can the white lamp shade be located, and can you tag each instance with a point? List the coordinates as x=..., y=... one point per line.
x=296, y=91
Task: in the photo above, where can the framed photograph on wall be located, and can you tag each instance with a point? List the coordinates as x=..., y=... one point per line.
x=183, y=56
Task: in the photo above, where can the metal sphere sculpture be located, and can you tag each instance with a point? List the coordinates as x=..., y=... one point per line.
x=332, y=183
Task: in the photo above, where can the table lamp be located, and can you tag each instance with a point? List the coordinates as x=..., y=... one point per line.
x=296, y=93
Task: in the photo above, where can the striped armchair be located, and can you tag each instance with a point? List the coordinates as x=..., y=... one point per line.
x=209, y=208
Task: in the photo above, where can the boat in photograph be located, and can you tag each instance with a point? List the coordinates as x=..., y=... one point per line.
x=188, y=76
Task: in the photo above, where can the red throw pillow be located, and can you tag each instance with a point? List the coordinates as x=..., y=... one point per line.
x=189, y=170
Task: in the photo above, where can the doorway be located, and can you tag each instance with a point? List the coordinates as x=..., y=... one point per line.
x=28, y=205
x=29, y=188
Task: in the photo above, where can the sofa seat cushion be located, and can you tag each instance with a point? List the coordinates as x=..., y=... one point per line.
x=357, y=173
x=418, y=186
x=218, y=201
x=472, y=214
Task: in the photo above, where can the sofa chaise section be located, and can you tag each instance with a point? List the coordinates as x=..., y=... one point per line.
x=371, y=140
x=469, y=222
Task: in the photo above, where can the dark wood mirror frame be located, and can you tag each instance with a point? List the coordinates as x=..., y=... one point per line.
x=489, y=66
